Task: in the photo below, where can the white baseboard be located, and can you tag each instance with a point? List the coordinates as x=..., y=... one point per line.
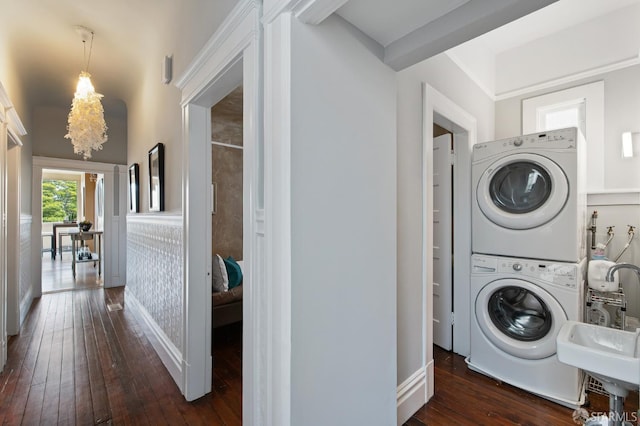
x=430, y=381
x=411, y=395
x=166, y=350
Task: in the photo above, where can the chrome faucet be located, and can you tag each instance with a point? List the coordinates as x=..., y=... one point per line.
x=617, y=266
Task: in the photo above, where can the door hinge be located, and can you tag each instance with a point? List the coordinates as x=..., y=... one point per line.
x=452, y=158
x=452, y=318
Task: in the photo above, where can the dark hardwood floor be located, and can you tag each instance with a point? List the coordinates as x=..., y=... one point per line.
x=465, y=397
x=76, y=362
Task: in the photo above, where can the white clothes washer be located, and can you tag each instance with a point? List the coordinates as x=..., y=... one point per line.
x=529, y=197
x=518, y=307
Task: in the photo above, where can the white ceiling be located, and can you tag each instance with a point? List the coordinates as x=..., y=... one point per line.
x=132, y=36
x=129, y=34
x=402, y=26
x=569, y=37
x=548, y=20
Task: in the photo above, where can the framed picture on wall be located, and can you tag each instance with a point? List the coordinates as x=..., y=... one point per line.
x=156, y=178
x=134, y=188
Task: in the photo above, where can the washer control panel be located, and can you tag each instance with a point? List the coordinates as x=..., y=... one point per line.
x=562, y=274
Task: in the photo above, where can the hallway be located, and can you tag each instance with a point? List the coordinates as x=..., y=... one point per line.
x=57, y=274
x=77, y=362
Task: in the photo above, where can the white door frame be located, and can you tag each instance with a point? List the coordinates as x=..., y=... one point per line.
x=440, y=110
x=11, y=128
x=232, y=56
x=114, y=263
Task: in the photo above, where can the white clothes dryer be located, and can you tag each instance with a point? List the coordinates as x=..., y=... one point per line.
x=518, y=307
x=529, y=196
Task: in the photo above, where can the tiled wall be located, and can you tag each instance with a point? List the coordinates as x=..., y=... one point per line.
x=154, y=270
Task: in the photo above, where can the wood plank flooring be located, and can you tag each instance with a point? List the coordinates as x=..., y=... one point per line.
x=57, y=274
x=465, y=397
x=76, y=362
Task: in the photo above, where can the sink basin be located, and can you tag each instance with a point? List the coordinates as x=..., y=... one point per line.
x=608, y=354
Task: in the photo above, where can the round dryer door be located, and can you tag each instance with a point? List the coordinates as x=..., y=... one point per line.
x=520, y=318
x=522, y=191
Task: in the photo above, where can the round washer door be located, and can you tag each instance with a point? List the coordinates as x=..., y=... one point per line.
x=520, y=318
x=522, y=191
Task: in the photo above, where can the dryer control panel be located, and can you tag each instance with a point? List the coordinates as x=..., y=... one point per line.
x=553, y=139
x=562, y=274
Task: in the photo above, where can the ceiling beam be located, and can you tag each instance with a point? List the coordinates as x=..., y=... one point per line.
x=462, y=24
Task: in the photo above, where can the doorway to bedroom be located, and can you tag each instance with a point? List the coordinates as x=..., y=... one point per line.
x=227, y=156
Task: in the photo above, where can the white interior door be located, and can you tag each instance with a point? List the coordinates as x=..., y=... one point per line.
x=442, y=243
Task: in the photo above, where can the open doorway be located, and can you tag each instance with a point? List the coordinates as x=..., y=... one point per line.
x=227, y=154
x=72, y=217
x=440, y=110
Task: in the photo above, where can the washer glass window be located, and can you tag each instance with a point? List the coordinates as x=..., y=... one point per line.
x=520, y=187
x=519, y=313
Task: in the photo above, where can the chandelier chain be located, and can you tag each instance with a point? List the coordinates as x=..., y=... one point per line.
x=84, y=52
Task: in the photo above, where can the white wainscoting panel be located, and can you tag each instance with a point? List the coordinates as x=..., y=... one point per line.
x=26, y=282
x=155, y=271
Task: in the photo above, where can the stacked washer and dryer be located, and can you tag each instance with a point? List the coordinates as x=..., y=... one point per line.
x=529, y=259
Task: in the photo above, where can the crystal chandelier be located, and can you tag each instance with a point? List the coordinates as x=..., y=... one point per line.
x=86, y=126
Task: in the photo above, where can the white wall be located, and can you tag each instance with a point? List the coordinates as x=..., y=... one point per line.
x=155, y=115
x=154, y=109
x=50, y=126
x=19, y=283
x=343, y=197
x=599, y=42
x=441, y=73
x=622, y=109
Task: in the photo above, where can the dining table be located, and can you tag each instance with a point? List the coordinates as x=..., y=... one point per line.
x=80, y=254
x=54, y=243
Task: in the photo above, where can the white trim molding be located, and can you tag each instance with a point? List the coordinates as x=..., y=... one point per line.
x=459, y=122
x=235, y=33
x=14, y=124
x=628, y=197
x=277, y=216
x=315, y=11
x=411, y=395
x=114, y=226
x=307, y=11
x=614, y=66
x=168, y=352
x=232, y=56
x=594, y=98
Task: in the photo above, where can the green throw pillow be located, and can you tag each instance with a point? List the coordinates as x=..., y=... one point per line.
x=233, y=271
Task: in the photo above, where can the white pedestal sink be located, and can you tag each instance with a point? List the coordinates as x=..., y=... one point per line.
x=610, y=355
